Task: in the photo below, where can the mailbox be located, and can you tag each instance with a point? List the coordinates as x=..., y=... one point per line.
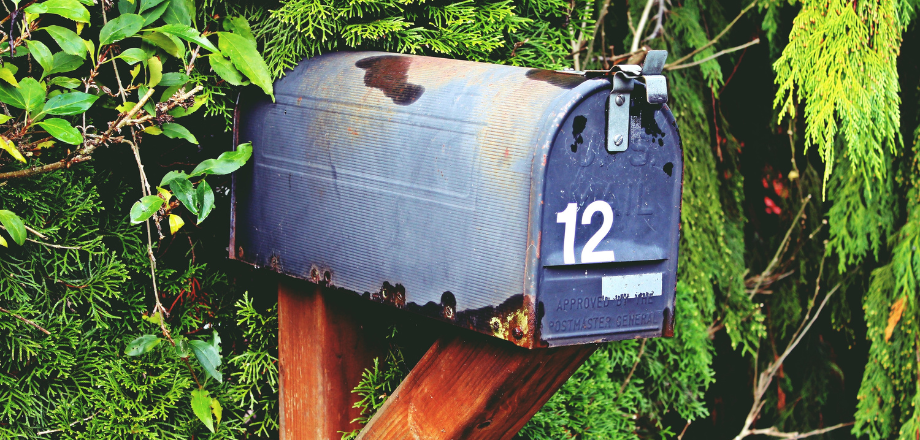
x=502, y=199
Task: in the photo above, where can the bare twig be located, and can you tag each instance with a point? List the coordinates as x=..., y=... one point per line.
x=637, y=35
x=714, y=40
x=51, y=431
x=597, y=25
x=632, y=370
x=782, y=247
x=773, y=432
x=674, y=66
x=33, y=324
x=684, y=431
x=766, y=377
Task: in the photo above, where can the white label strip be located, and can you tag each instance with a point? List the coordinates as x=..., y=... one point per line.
x=632, y=286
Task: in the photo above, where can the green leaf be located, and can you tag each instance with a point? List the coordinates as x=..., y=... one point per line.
x=71, y=9
x=155, y=66
x=4, y=118
x=226, y=163
x=176, y=131
x=7, y=75
x=69, y=41
x=147, y=4
x=208, y=357
x=65, y=82
x=186, y=33
x=224, y=69
x=145, y=208
x=201, y=406
x=241, y=27
x=3, y=242
x=153, y=130
x=120, y=28
x=14, y=226
x=42, y=54
x=173, y=175
x=72, y=103
x=206, y=197
x=126, y=6
x=141, y=345
x=65, y=62
x=152, y=15
x=168, y=43
x=62, y=130
x=185, y=192
x=180, y=12
x=173, y=79
x=29, y=96
x=247, y=60
x=134, y=55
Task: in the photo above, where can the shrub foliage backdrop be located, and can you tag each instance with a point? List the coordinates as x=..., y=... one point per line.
x=799, y=264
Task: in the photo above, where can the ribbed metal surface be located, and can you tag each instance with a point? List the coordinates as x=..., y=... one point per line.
x=400, y=169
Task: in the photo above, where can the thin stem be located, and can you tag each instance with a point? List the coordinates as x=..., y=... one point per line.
x=781, y=248
x=675, y=66
x=597, y=26
x=773, y=432
x=713, y=41
x=631, y=371
x=51, y=431
x=637, y=36
x=33, y=324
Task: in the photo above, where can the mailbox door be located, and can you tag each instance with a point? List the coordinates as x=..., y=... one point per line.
x=610, y=227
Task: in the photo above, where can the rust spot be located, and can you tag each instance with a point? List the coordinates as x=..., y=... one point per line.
x=353, y=131
x=448, y=306
x=299, y=99
x=667, y=326
x=239, y=252
x=389, y=73
x=517, y=333
x=390, y=294
x=563, y=80
x=275, y=263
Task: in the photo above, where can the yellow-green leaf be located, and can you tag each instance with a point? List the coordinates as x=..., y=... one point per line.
x=154, y=130
x=156, y=71
x=4, y=118
x=10, y=147
x=175, y=223
x=201, y=406
x=216, y=410
x=7, y=75
x=3, y=242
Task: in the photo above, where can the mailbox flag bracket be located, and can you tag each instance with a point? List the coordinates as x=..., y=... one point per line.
x=624, y=79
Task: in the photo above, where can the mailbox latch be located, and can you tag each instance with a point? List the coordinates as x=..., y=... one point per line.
x=624, y=78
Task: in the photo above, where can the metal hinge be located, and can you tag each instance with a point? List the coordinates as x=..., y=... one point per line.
x=624, y=80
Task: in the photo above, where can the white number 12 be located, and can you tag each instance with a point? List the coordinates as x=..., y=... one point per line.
x=588, y=254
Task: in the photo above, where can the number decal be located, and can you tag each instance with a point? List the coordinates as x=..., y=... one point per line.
x=568, y=241
x=588, y=254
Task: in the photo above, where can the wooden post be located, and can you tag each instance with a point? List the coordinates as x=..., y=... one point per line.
x=326, y=340
x=471, y=386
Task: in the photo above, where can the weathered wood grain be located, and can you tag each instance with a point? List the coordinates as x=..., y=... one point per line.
x=326, y=339
x=470, y=386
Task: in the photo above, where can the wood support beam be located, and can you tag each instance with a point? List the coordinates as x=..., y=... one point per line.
x=471, y=386
x=326, y=340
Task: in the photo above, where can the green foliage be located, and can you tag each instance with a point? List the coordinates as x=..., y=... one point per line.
x=842, y=61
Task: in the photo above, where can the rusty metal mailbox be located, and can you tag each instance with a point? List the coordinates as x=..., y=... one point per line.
x=502, y=199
